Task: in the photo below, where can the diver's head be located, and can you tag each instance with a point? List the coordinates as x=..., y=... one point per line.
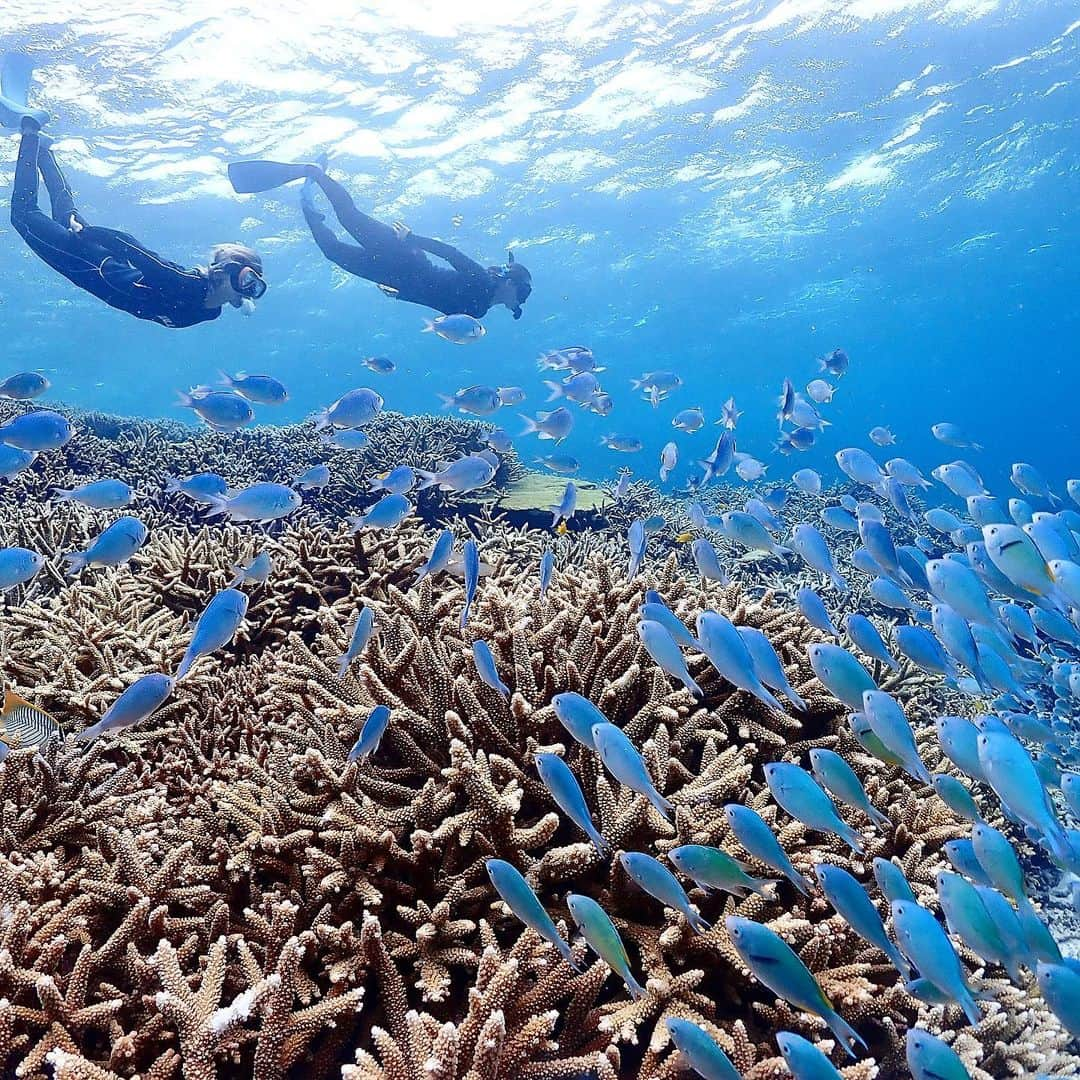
x=235, y=273
x=514, y=285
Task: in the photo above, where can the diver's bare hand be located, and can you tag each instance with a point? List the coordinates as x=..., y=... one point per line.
x=402, y=231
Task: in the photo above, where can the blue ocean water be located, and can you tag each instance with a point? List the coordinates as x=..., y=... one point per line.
x=728, y=190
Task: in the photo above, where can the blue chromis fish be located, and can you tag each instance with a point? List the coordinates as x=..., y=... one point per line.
x=689, y=420
x=468, y=473
x=806, y=480
x=221, y=409
x=622, y=760
x=865, y=637
x=890, y=595
x=664, y=650
x=381, y=365
x=564, y=509
x=799, y=794
x=39, y=430
x=555, y=425
x=840, y=673
x=953, y=435
x=891, y=881
x=925, y=651
x=14, y=461
x=256, y=572
x=25, y=386
x=707, y=561
x=700, y=1050
x=970, y=922
x=861, y=467
x=760, y=841
x=600, y=933
x=547, y=568
x=713, y=868
x=202, y=487
x=358, y=641
x=804, y=1060
x=956, y=797
x=499, y=441
x=746, y=530
x=261, y=389
x=659, y=882
x=1060, y=988
x=313, y=479
x=813, y=610
x=217, y=624
x=726, y=650
x=773, y=962
x=511, y=395
x=17, y=566
x=525, y=905
x=439, y=558
x=471, y=561
x=344, y=438
x=371, y=734
x=959, y=739
x=835, y=363
x=626, y=444
x=656, y=610
x=925, y=944
x=98, y=495
x=998, y=859
x=808, y=542
x=563, y=464
x=137, y=703
x=457, y=329
x=112, y=547
x=767, y=666
x=354, y=409
x=638, y=540
x=399, y=481
x=929, y=1058
x=889, y=723
x=23, y=726
x=836, y=517
x=484, y=660
x=579, y=716
x=564, y=788
x=1014, y=553
x=389, y=512
x=259, y=502
x=838, y=778
x=856, y=908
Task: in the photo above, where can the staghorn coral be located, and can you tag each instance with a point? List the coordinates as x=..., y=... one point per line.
x=220, y=893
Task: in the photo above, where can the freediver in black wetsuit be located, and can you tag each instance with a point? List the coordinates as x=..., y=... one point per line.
x=109, y=264
x=392, y=256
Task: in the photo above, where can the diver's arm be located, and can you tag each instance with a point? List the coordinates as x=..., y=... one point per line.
x=459, y=261
x=157, y=273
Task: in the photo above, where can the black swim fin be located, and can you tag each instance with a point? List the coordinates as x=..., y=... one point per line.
x=247, y=177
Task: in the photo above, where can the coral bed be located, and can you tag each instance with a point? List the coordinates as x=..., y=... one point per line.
x=219, y=894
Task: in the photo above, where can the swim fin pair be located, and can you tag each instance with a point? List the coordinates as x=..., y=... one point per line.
x=15, y=72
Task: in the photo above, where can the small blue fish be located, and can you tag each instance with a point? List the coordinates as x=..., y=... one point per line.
x=861, y=467
x=807, y=480
x=40, y=430
x=262, y=389
x=216, y=626
x=525, y=905
x=890, y=595
x=906, y=473
x=256, y=572
x=602, y=937
x=953, y=435
x=439, y=559
x=259, y=502
x=1060, y=988
x=877, y=539
x=17, y=566
x=352, y=410
x=707, y=561
x=713, y=868
x=719, y=460
x=563, y=464
x=796, y=791
x=381, y=365
x=14, y=461
x=622, y=760
x=956, y=797
x=726, y=650
x=804, y=1060
x=756, y=508
x=836, y=517
x=657, y=611
x=563, y=787
x=840, y=673
x=389, y=512
x=767, y=666
x=112, y=547
x=344, y=438
x=925, y=944
x=471, y=560
x=889, y=723
x=776, y=498
x=659, y=882
x=25, y=386
x=397, y=481
x=775, y=964
x=202, y=487
x=838, y=778
x=750, y=533
x=499, y=441
x=664, y=650
x=564, y=509
x=1020, y=511
x=136, y=704
x=486, y=669
x=955, y=636
x=807, y=542
x=313, y=479
x=962, y=858
x=547, y=568
x=760, y=841
x=867, y=640
x=221, y=409
x=929, y=1058
x=579, y=716
x=358, y=641
x=638, y=540
x=700, y=1050
x=925, y=651
x=98, y=495
x=813, y=610
x=891, y=881
x=958, y=738
x=370, y=734
x=550, y=425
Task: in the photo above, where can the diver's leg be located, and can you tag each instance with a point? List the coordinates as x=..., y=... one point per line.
x=349, y=257
x=61, y=198
x=361, y=227
x=24, y=192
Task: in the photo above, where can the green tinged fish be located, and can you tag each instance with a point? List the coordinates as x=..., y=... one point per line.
x=968, y=919
x=773, y=963
x=838, y=778
x=713, y=868
x=1060, y=986
x=600, y=933
x=929, y=1058
x=956, y=797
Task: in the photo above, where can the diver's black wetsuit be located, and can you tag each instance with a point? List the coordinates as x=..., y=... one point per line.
x=401, y=265
x=111, y=265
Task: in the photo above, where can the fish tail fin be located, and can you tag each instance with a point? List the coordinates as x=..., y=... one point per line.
x=636, y=384
x=225, y=379
x=531, y=425
x=779, y=549
x=555, y=391
x=184, y=400
x=63, y=494
x=696, y=690
x=701, y=925
x=429, y=327
x=446, y=400
x=878, y=817
x=185, y=665
x=637, y=991
x=665, y=806
x=172, y=484
x=568, y=955
x=322, y=420
x=219, y=504
x=343, y=665
x=92, y=732
x=853, y=840
x=427, y=479
x=838, y=581
x=977, y=446
x=75, y=563
x=847, y=1035
x=971, y=1010
x=764, y=695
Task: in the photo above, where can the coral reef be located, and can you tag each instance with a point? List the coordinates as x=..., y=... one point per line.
x=220, y=893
